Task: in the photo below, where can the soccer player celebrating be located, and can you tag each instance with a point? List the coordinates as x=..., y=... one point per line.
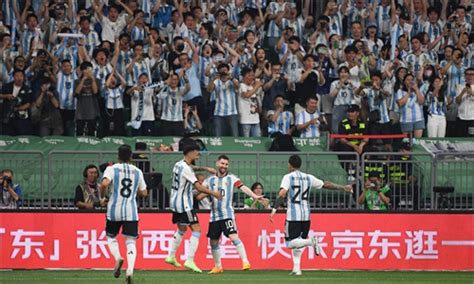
x=126, y=182
x=222, y=212
x=181, y=203
x=296, y=185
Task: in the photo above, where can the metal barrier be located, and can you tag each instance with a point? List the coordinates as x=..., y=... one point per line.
x=51, y=182
x=29, y=172
x=409, y=176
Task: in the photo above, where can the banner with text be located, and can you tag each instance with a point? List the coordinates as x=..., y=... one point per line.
x=347, y=241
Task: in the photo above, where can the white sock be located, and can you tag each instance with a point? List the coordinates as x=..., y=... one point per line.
x=131, y=255
x=193, y=245
x=178, y=236
x=296, y=259
x=216, y=255
x=241, y=250
x=114, y=248
x=299, y=243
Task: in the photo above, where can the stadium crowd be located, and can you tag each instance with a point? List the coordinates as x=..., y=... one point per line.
x=236, y=67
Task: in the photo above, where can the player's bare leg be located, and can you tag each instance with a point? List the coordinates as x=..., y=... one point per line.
x=241, y=250
x=115, y=251
x=178, y=236
x=216, y=255
x=193, y=245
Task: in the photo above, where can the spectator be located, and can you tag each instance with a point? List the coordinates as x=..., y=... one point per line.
x=225, y=111
x=375, y=196
x=311, y=77
x=17, y=98
x=11, y=192
x=87, y=109
x=47, y=106
x=410, y=100
x=192, y=122
x=344, y=93
x=437, y=101
x=250, y=104
x=143, y=114
x=87, y=192
x=280, y=120
x=275, y=85
x=259, y=204
x=465, y=101
x=172, y=99
x=308, y=121
x=114, y=117
x=66, y=77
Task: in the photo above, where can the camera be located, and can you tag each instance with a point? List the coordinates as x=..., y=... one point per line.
x=6, y=180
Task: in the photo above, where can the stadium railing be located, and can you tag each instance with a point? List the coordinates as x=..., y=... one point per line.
x=50, y=182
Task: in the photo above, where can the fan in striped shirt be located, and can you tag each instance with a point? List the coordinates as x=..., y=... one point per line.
x=280, y=120
x=171, y=97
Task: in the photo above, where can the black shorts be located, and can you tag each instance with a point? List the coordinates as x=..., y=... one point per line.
x=216, y=228
x=296, y=229
x=185, y=218
x=129, y=228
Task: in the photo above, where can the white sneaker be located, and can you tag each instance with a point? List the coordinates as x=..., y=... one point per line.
x=314, y=240
x=295, y=273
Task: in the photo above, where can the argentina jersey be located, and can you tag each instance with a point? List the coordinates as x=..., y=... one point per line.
x=283, y=123
x=273, y=29
x=298, y=185
x=125, y=180
x=65, y=89
x=222, y=209
x=411, y=111
x=172, y=103
x=226, y=103
x=313, y=129
x=183, y=179
x=377, y=101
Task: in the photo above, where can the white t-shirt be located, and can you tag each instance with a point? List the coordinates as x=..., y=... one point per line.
x=466, y=108
x=148, y=112
x=111, y=30
x=248, y=107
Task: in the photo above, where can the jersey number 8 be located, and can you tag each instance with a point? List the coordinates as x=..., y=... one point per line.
x=126, y=189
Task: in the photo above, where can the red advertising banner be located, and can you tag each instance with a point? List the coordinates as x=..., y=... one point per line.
x=348, y=241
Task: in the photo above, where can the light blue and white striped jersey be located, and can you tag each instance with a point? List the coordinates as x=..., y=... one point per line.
x=273, y=29
x=297, y=25
x=28, y=37
x=114, y=98
x=298, y=185
x=436, y=106
x=412, y=111
x=252, y=4
x=146, y=6
x=418, y=24
x=65, y=88
x=455, y=77
x=183, y=180
x=226, y=98
x=172, y=103
x=415, y=62
x=137, y=33
x=141, y=67
x=293, y=67
x=126, y=180
x=377, y=101
x=382, y=16
x=335, y=23
x=124, y=58
x=434, y=31
x=100, y=73
x=193, y=77
x=345, y=96
x=283, y=123
x=203, y=63
x=222, y=209
x=62, y=52
x=8, y=13
x=312, y=130
x=91, y=41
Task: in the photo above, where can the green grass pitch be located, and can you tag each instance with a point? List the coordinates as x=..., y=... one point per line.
x=237, y=277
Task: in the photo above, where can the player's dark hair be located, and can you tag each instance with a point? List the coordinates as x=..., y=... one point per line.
x=295, y=161
x=223, y=157
x=191, y=147
x=125, y=153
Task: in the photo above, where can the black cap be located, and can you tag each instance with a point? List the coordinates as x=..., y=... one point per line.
x=405, y=146
x=353, y=108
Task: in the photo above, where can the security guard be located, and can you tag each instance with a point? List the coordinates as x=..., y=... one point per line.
x=352, y=125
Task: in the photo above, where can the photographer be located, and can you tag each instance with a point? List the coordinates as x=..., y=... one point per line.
x=11, y=192
x=17, y=101
x=375, y=196
x=41, y=68
x=311, y=77
x=87, y=192
x=46, y=110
